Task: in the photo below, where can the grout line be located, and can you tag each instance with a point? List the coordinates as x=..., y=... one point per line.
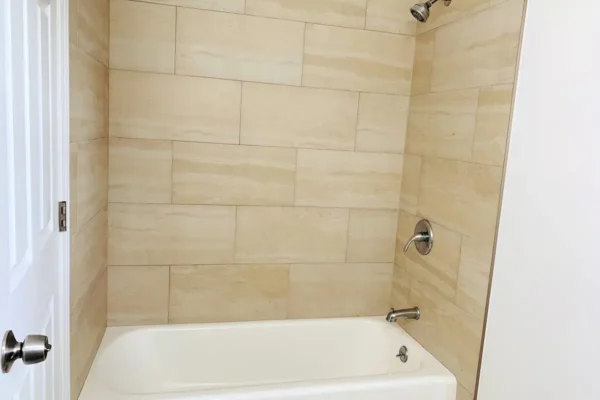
x=410, y=285
x=288, y=295
x=260, y=206
x=235, y=224
x=246, y=14
x=348, y=234
x=475, y=126
x=77, y=23
x=109, y=30
x=460, y=247
x=418, y=196
x=266, y=146
x=81, y=142
x=295, y=178
x=175, y=44
x=422, y=156
x=172, y=169
x=303, y=55
x=108, y=174
x=272, y=83
x=79, y=227
x=464, y=89
x=356, y=123
x=290, y=263
x=239, y=141
x=169, y=298
x=453, y=160
x=404, y=130
x=92, y=57
x=461, y=89
x=366, y=13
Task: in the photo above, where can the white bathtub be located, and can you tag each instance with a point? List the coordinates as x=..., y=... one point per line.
x=333, y=359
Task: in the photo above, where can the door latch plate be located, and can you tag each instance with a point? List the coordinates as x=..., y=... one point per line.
x=62, y=216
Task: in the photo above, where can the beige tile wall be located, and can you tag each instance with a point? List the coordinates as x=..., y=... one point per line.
x=462, y=88
x=256, y=154
x=89, y=22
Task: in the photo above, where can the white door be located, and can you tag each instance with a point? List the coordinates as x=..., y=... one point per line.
x=33, y=179
x=542, y=339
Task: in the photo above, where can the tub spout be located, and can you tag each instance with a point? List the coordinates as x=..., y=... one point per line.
x=407, y=313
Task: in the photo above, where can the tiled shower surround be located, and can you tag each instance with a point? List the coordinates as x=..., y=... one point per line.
x=462, y=89
x=268, y=159
x=88, y=40
x=255, y=158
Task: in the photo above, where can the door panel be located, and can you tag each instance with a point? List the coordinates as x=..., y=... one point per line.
x=33, y=175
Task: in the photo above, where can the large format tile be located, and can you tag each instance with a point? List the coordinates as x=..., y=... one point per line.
x=461, y=196
x=93, y=27
x=357, y=60
x=157, y=106
x=138, y=295
x=88, y=97
x=382, y=123
x=450, y=334
x=391, y=16
x=235, y=6
x=165, y=234
x=240, y=47
x=92, y=178
x=142, y=36
x=346, y=179
x=140, y=171
x=290, y=234
x=339, y=290
x=298, y=117
x=350, y=13
x=440, y=267
x=443, y=124
x=228, y=293
x=371, y=236
x=493, y=118
x=474, y=276
x=236, y=175
x=479, y=50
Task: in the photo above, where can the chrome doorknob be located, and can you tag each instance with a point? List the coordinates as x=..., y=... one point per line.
x=423, y=238
x=33, y=350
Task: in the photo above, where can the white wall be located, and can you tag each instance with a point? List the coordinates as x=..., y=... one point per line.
x=543, y=334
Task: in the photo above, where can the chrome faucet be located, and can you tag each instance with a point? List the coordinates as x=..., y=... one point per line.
x=407, y=313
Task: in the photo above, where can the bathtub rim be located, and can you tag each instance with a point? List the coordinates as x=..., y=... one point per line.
x=431, y=371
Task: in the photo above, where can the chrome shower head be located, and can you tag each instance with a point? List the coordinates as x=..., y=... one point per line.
x=421, y=10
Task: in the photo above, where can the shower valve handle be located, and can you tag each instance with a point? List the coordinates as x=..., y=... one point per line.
x=417, y=237
x=423, y=238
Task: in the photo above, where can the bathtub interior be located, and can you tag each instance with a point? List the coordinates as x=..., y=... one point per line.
x=216, y=356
